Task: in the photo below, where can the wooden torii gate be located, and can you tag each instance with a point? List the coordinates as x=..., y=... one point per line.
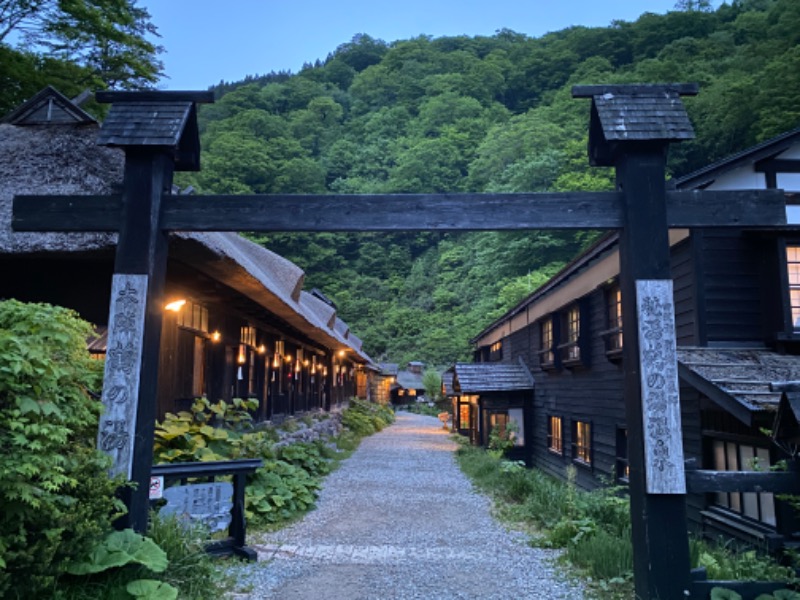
x=631, y=127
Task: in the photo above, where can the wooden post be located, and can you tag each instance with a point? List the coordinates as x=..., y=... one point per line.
x=131, y=370
x=658, y=510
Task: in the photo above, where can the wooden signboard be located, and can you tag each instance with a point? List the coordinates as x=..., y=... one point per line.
x=122, y=368
x=206, y=503
x=661, y=410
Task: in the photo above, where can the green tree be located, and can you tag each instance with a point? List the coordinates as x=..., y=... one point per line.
x=107, y=37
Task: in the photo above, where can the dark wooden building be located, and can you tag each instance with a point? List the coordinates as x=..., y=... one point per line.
x=237, y=321
x=407, y=386
x=737, y=315
x=489, y=396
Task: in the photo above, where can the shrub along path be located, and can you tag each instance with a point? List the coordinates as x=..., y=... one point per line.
x=398, y=520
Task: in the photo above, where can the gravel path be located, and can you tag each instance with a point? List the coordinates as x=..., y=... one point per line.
x=398, y=520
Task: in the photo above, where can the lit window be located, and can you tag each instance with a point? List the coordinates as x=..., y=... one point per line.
x=582, y=442
x=793, y=268
x=614, y=307
x=496, y=351
x=193, y=316
x=572, y=326
x=555, y=439
x=730, y=456
x=463, y=416
x=546, y=354
x=248, y=336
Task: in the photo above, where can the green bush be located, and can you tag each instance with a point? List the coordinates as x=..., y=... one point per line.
x=56, y=499
x=209, y=431
x=279, y=491
x=726, y=563
x=365, y=418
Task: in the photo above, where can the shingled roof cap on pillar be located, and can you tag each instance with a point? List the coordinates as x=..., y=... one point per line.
x=634, y=113
x=155, y=119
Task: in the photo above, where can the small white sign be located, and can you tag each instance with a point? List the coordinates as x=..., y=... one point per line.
x=157, y=487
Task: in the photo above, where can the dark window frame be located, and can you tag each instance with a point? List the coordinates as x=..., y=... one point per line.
x=582, y=453
x=552, y=446
x=613, y=338
x=548, y=354
x=736, y=502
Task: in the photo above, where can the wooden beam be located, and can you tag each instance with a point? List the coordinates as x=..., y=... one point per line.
x=588, y=91
x=401, y=212
x=203, y=97
x=776, y=482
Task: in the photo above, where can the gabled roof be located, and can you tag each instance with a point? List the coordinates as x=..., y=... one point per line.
x=145, y=124
x=767, y=149
x=634, y=113
x=388, y=368
x=478, y=378
x=49, y=107
x=162, y=119
x=410, y=380
x=738, y=380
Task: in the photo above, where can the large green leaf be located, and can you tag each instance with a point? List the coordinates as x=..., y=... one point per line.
x=122, y=548
x=151, y=589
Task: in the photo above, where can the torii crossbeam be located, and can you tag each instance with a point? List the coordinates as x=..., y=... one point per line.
x=631, y=127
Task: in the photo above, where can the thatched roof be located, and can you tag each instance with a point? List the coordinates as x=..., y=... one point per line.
x=54, y=159
x=66, y=160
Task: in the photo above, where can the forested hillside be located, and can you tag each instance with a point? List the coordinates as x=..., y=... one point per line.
x=480, y=114
x=449, y=115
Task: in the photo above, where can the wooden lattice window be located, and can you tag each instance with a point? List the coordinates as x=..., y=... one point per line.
x=793, y=269
x=547, y=339
x=582, y=442
x=193, y=316
x=555, y=437
x=570, y=349
x=732, y=456
x=613, y=335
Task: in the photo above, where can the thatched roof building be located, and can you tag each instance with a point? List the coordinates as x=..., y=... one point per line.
x=63, y=158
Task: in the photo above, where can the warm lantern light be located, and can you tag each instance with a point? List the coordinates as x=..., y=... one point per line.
x=277, y=362
x=288, y=359
x=262, y=349
x=216, y=336
x=341, y=352
x=305, y=363
x=175, y=305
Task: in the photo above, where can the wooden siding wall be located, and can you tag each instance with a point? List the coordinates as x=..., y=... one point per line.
x=592, y=395
x=684, y=290
x=692, y=450
x=731, y=295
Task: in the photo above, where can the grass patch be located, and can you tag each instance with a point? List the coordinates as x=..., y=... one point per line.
x=593, y=528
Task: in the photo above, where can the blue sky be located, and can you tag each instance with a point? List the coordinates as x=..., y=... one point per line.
x=211, y=40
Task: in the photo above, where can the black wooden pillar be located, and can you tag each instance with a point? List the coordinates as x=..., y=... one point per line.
x=630, y=128
x=142, y=250
x=660, y=540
